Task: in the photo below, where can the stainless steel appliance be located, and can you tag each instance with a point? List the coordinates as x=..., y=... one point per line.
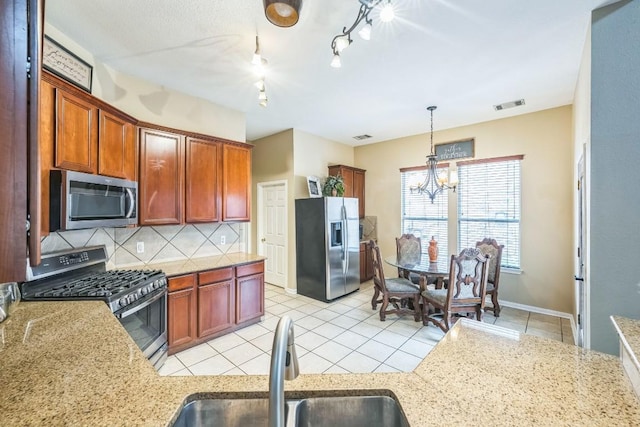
x=138, y=298
x=327, y=247
x=80, y=200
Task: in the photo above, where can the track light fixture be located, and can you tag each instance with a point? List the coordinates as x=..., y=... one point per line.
x=343, y=40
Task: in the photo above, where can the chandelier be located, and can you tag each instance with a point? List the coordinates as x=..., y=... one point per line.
x=260, y=68
x=434, y=183
x=343, y=40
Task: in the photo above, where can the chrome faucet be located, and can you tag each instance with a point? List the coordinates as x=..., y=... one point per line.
x=284, y=366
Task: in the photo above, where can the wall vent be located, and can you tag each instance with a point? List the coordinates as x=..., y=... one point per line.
x=511, y=104
x=361, y=137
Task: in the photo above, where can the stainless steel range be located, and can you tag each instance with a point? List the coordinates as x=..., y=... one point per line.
x=138, y=298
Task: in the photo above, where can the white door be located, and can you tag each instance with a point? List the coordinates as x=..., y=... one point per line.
x=272, y=230
x=580, y=287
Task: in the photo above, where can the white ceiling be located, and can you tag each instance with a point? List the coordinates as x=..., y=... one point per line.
x=462, y=55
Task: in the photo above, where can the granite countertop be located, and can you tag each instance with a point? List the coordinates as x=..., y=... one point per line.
x=71, y=363
x=192, y=265
x=629, y=333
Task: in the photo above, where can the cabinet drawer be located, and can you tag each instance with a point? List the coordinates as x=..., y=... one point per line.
x=181, y=282
x=246, y=270
x=214, y=276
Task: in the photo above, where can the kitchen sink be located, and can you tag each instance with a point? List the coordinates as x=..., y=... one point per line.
x=352, y=411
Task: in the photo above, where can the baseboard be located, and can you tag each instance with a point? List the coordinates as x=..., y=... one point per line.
x=291, y=291
x=546, y=311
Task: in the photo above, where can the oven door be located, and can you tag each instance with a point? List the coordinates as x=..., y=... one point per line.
x=146, y=322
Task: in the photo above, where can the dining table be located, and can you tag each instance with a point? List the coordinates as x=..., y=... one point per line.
x=434, y=270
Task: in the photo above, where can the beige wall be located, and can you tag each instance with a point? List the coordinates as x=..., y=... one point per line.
x=156, y=104
x=545, y=139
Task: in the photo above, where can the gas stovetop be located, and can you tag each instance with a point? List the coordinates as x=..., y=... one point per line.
x=81, y=275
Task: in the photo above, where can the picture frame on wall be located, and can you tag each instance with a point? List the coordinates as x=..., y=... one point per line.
x=454, y=150
x=313, y=183
x=65, y=64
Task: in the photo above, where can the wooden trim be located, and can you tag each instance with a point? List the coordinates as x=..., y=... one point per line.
x=424, y=167
x=491, y=160
x=347, y=167
x=195, y=135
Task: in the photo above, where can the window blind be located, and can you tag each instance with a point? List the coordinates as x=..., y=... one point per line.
x=420, y=217
x=489, y=205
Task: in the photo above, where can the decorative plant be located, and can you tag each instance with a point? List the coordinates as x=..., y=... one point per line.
x=333, y=183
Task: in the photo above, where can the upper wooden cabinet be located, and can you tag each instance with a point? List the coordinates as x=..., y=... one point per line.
x=161, y=177
x=353, y=183
x=76, y=145
x=117, y=147
x=202, y=183
x=236, y=183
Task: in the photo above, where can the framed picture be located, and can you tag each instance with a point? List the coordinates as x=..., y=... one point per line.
x=454, y=150
x=64, y=64
x=314, y=186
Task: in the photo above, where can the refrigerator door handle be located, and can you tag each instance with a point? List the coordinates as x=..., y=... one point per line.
x=345, y=241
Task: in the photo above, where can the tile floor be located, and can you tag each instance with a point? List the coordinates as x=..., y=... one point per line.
x=344, y=336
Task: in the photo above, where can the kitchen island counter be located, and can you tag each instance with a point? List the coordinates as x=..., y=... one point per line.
x=71, y=363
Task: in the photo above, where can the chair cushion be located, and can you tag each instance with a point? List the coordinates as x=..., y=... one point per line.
x=437, y=295
x=401, y=285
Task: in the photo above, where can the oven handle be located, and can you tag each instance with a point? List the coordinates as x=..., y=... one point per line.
x=132, y=205
x=143, y=305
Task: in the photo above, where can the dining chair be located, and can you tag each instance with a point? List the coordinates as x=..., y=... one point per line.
x=465, y=293
x=396, y=291
x=408, y=250
x=491, y=247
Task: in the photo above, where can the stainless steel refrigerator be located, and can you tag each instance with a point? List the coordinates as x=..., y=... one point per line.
x=327, y=247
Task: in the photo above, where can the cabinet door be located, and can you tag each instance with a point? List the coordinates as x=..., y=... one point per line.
x=358, y=191
x=116, y=147
x=250, y=297
x=216, y=303
x=161, y=177
x=181, y=317
x=76, y=133
x=236, y=183
x=202, y=184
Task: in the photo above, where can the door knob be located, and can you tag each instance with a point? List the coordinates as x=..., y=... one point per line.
x=263, y=240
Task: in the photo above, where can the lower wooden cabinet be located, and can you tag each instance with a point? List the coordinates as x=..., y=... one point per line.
x=366, y=263
x=204, y=305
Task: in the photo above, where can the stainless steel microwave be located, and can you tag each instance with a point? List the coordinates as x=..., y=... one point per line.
x=80, y=200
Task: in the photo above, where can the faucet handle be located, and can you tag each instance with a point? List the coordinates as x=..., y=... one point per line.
x=291, y=368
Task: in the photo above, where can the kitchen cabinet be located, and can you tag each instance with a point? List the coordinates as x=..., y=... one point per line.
x=181, y=311
x=161, y=177
x=366, y=263
x=249, y=292
x=206, y=304
x=117, y=151
x=76, y=144
x=353, y=183
x=202, y=183
x=236, y=183
x=216, y=301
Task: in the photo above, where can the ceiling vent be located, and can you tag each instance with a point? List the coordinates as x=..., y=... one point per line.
x=361, y=137
x=511, y=104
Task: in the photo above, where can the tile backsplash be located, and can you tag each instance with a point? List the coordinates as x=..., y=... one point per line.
x=163, y=243
x=369, y=228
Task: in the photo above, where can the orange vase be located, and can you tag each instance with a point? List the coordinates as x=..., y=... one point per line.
x=433, y=249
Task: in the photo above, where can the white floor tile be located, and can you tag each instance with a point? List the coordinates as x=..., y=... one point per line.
x=310, y=340
x=281, y=298
x=358, y=363
x=242, y=353
x=332, y=351
x=270, y=323
x=326, y=315
x=335, y=369
x=350, y=339
x=171, y=365
x=405, y=327
x=365, y=329
x=294, y=314
x=417, y=348
x=277, y=309
x=311, y=363
x=402, y=361
x=390, y=338
x=234, y=371
x=196, y=354
x=429, y=334
x=340, y=308
x=356, y=313
x=352, y=302
x=264, y=342
x=251, y=332
x=309, y=322
x=213, y=366
x=386, y=369
x=376, y=350
x=257, y=366
x=226, y=342
x=308, y=308
x=344, y=321
x=328, y=330
x=182, y=373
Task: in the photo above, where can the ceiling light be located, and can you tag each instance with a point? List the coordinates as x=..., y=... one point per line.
x=282, y=13
x=262, y=96
x=257, y=58
x=435, y=182
x=260, y=69
x=341, y=41
x=263, y=103
x=511, y=104
x=259, y=84
x=387, y=13
x=335, y=62
x=365, y=31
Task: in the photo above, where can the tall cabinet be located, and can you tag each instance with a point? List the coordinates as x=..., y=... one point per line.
x=353, y=183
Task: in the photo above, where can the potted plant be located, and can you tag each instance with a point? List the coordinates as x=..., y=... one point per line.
x=333, y=186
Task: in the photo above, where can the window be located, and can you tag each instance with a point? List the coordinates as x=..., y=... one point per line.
x=420, y=217
x=489, y=205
